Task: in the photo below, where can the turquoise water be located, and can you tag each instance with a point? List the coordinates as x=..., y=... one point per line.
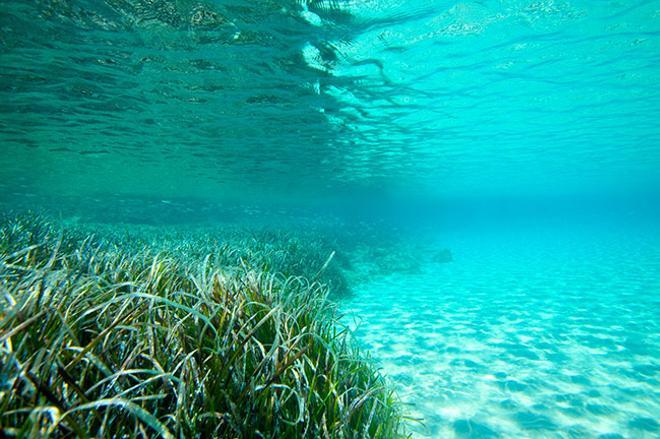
x=527, y=333
x=521, y=135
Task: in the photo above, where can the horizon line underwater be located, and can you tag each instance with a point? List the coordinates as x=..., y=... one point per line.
x=330, y=219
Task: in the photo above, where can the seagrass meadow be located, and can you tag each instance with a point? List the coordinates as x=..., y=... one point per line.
x=115, y=335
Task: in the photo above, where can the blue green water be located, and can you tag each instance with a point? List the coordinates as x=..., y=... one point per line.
x=527, y=333
x=522, y=135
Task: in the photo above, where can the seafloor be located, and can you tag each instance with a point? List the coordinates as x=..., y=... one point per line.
x=484, y=331
x=526, y=333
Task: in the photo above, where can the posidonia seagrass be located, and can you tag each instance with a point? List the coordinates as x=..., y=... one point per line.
x=114, y=336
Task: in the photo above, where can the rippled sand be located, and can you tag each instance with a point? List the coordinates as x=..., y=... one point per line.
x=537, y=335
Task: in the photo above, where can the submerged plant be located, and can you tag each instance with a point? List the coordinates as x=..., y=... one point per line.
x=105, y=336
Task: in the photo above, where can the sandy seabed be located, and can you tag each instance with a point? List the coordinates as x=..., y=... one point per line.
x=545, y=335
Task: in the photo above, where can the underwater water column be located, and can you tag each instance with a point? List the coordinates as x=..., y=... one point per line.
x=330, y=218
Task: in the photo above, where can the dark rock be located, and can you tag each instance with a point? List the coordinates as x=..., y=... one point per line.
x=443, y=256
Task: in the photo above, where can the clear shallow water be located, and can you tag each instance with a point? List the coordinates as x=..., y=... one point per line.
x=299, y=100
x=492, y=115
x=547, y=332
